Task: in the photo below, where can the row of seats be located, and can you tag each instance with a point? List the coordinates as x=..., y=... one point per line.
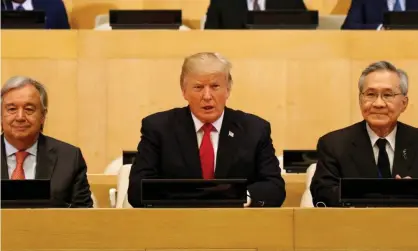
x=329, y=22
x=119, y=199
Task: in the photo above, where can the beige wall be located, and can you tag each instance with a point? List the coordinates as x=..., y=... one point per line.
x=82, y=13
x=102, y=84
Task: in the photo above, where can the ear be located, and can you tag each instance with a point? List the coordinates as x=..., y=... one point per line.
x=405, y=103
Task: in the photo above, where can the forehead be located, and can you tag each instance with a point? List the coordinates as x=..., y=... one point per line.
x=382, y=80
x=206, y=78
x=25, y=94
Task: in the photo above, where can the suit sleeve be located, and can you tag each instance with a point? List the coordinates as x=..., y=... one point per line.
x=325, y=182
x=81, y=195
x=213, y=15
x=355, y=18
x=146, y=162
x=269, y=188
x=61, y=17
x=300, y=5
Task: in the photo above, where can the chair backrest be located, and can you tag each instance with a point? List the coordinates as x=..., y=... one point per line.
x=101, y=19
x=95, y=203
x=123, y=184
x=114, y=166
x=202, y=22
x=280, y=158
x=306, y=200
x=331, y=22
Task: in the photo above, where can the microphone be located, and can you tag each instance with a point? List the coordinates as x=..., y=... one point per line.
x=404, y=154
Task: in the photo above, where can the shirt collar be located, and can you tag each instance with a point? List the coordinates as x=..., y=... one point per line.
x=217, y=124
x=391, y=138
x=10, y=150
x=27, y=5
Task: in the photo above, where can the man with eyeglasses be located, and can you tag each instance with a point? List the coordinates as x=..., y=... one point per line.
x=378, y=147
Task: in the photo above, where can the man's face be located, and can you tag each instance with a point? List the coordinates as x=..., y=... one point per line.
x=22, y=116
x=383, y=111
x=207, y=95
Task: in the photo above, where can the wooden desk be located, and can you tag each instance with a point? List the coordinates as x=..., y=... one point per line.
x=101, y=183
x=151, y=229
x=356, y=229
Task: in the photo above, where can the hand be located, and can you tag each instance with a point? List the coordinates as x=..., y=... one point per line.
x=399, y=177
x=248, y=200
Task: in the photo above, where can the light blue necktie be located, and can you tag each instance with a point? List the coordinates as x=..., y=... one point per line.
x=397, y=6
x=20, y=7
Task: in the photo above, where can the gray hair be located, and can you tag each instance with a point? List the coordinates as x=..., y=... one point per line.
x=385, y=66
x=20, y=81
x=197, y=63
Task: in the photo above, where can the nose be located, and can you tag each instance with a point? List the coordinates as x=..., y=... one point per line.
x=207, y=95
x=20, y=115
x=379, y=102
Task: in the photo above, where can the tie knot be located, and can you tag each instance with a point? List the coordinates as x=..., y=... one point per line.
x=207, y=128
x=20, y=7
x=21, y=156
x=381, y=143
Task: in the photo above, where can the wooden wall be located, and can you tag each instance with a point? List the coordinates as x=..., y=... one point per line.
x=101, y=84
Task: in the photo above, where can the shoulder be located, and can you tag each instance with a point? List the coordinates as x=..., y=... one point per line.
x=247, y=119
x=344, y=135
x=165, y=117
x=58, y=144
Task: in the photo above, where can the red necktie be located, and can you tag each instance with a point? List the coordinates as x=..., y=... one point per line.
x=207, y=154
x=19, y=173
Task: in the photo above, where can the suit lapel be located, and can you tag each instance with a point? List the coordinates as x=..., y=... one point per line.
x=404, y=151
x=362, y=152
x=4, y=167
x=187, y=140
x=229, y=139
x=45, y=160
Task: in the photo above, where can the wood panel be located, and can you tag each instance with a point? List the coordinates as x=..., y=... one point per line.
x=104, y=83
x=356, y=229
x=114, y=229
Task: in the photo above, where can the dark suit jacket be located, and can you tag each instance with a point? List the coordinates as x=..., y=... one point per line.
x=368, y=15
x=56, y=15
x=65, y=166
x=168, y=149
x=232, y=14
x=348, y=153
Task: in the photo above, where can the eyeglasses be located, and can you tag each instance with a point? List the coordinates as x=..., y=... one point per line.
x=370, y=96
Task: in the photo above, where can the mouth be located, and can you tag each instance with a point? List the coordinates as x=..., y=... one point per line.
x=208, y=108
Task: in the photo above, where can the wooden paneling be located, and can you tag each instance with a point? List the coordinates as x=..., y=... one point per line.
x=136, y=229
x=103, y=83
x=356, y=229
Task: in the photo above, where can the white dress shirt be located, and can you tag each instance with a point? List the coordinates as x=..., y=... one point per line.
x=390, y=146
x=214, y=135
x=391, y=4
x=250, y=3
x=28, y=165
x=27, y=5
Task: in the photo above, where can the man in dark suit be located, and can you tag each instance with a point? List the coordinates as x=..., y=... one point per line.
x=368, y=15
x=378, y=147
x=27, y=154
x=232, y=14
x=206, y=139
x=56, y=15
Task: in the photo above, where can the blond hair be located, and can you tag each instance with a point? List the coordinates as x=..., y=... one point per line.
x=206, y=62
